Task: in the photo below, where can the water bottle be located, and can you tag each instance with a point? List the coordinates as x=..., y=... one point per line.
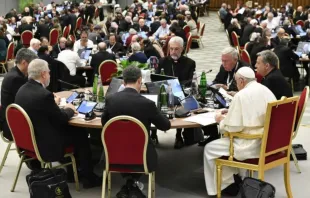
x=101, y=90
x=95, y=84
x=194, y=87
x=162, y=72
x=203, y=85
x=163, y=99
x=170, y=102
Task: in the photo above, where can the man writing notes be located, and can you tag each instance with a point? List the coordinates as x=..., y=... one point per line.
x=129, y=102
x=244, y=117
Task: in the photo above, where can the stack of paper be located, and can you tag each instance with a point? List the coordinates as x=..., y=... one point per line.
x=202, y=119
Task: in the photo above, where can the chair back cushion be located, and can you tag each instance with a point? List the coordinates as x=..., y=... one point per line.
x=21, y=127
x=245, y=57
x=234, y=38
x=186, y=29
x=78, y=23
x=106, y=70
x=301, y=105
x=189, y=43
x=202, y=29
x=259, y=78
x=281, y=123
x=10, y=52
x=26, y=37
x=66, y=32
x=125, y=139
x=301, y=23
x=54, y=34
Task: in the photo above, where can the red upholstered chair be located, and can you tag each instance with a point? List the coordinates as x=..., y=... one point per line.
x=122, y=151
x=246, y=45
x=235, y=41
x=72, y=38
x=66, y=32
x=9, y=56
x=186, y=29
x=106, y=70
x=300, y=22
x=54, y=34
x=199, y=37
x=25, y=37
x=198, y=26
x=245, y=57
x=188, y=44
x=25, y=141
x=275, y=145
x=78, y=24
x=300, y=112
x=258, y=77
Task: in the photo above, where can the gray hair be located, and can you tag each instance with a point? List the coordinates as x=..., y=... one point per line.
x=254, y=36
x=135, y=47
x=135, y=19
x=177, y=39
x=34, y=41
x=163, y=21
x=132, y=31
x=269, y=57
x=232, y=51
x=286, y=22
x=25, y=54
x=36, y=67
x=270, y=14
x=131, y=74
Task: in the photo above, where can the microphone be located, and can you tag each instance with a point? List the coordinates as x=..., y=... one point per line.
x=72, y=85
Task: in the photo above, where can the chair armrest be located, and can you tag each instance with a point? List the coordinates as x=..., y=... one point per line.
x=238, y=135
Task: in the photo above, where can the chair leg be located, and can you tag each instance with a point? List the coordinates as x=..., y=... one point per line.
x=219, y=180
x=42, y=165
x=261, y=175
x=104, y=179
x=153, y=185
x=251, y=173
x=109, y=185
x=75, y=173
x=150, y=185
x=5, y=155
x=17, y=173
x=287, y=180
x=295, y=160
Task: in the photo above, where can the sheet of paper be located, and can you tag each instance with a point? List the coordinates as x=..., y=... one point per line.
x=225, y=94
x=202, y=119
x=241, y=11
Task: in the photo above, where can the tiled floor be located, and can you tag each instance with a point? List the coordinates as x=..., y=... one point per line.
x=180, y=172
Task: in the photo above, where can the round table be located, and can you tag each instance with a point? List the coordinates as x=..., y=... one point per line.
x=96, y=123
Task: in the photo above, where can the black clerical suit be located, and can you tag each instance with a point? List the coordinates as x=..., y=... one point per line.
x=277, y=84
x=223, y=75
x=129, y=102
x=24, y=27
x=11, y=83
x=50, y=124
x=248, y=30
x=116, y=48
x=97, y=59
x=42, y=31
x=56, y=50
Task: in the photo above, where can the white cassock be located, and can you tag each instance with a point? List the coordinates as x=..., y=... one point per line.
x=247, y=114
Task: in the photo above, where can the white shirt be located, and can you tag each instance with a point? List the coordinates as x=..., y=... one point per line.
x=162, y=31
x=77, y=45
x=33, y=50
x=71, y=59
x=273, y=23
x=247, y=118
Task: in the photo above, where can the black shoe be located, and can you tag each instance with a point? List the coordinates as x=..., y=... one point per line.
x=34, y=165
x=123, y=193
x=205, y=141
x=179, y=143
x=155, y=140
x=92, y=181
x=233, y=189
x=135, y=192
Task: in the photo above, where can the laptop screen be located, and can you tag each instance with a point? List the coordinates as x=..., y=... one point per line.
x=303, y=47
x=158, y=77
x=114, y=86
x=154, y=98
x=220, y=99
x=86, y=107
x=176, y=88
x=190, y=103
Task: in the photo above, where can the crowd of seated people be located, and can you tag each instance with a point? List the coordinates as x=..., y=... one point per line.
x=273, y=25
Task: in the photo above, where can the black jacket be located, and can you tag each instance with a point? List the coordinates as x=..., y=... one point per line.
x=98, y=58
x=24, y=27
x=231, y=29
x=287, y=60
x=154, y=26
x=47, y=118
x=72, y=19
x=256, y=49
x=43, y=30
x=277, y=84
x=145, y=28
x=56, y=50
x=289, y=30
x=307, y=25
x=275, y=41
x=248, y=30
x=183, y=68
x=11, y=83
x=118, y=47
x=222, y=76
x=305, y=38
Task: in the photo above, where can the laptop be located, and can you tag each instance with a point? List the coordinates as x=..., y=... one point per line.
x=72, y=97
x=190, y=103
x=86, y=54
x=86, y=107
x=114, y=86
x=303, y=47
x=154, y=87
x=151, y=97
x=220, y=99
x=159, y=77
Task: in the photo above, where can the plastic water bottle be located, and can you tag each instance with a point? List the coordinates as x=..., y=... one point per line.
x=203, y=85
x=95, y=84
x=170, y=102
x=101, y=91
x=163, y=99
x=194, y=87
x=162, y=72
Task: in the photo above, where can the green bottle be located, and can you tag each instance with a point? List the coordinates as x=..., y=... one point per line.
x=95, y=84
x=163, y=99
x=203, y=85
x=162, y=72
x=101, y=94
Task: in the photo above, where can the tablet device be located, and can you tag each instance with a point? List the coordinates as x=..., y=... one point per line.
x=220, y=99
x=86, y=107
x=72, y=97
x=177, y=89
x=190, y=103
x=154, y=98
x=114, y=86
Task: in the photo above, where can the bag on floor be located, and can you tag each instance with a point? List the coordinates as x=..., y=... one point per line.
x=192, y=135
x=255, y=188
x=300, y=152
x=48, y=183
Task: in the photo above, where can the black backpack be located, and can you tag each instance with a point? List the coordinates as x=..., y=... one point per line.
x=255, y=188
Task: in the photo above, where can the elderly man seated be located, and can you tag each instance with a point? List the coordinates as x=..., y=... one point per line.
x=244, y=117
x=163, y=31
x=35, y=45
x=272, y=22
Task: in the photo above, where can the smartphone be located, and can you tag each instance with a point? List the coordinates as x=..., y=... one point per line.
x=201, y=111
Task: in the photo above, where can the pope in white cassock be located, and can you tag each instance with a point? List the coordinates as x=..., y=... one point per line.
x=247, y=115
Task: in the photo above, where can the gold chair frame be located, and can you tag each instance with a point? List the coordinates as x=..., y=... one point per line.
x=6, y=153
x=107, y=172
x=261, y=167
x=200, y=35
x=101, y=65
x=37, y=152
x=7, y=58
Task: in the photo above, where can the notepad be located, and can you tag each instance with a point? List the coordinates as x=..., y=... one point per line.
x=203, y=119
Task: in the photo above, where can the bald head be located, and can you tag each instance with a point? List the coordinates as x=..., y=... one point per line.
x=102, y=46
x=281, y=32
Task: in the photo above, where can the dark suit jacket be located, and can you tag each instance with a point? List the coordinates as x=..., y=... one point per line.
x=43, y=30
x=307, y=25
x=287, y=60
x=183, y=69
x=47, y=118
x=256, y=49
x=277, y=84
x=222, y=76
x=139, y=57
x=248, y=30
x=118, y=47
x=290, y=31
x=24, y=27
x=98, y=58
x=305, y=38
x=56, y=50
x=154, y=26
x=145, y=28
x=275, y=41
x=72, y=19
x=11, y=83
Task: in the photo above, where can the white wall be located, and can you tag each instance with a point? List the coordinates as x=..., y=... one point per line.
x=7, y=5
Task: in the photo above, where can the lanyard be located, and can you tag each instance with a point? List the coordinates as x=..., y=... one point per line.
x=229, y=81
